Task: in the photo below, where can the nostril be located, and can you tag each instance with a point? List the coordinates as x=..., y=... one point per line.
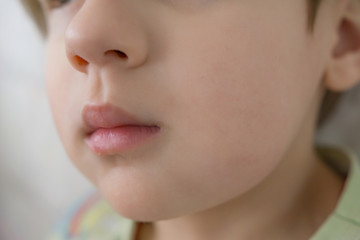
x=81, y=61
x=118, y=53
x=121, y=54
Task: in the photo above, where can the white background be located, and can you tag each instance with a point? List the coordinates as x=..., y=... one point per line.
x=37, y=181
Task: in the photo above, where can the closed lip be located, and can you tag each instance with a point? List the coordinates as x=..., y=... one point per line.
x=97, y=116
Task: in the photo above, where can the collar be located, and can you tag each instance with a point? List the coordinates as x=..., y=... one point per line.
x=344, y=221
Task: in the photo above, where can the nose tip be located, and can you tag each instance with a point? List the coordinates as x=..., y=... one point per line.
x=123, y=43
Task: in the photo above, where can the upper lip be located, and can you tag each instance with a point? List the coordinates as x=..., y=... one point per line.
x=107, y=116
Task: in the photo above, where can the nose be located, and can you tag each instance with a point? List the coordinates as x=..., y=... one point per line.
x=101, y=33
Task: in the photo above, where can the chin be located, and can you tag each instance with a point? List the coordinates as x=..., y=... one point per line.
x=141, y=210
x=138, y=202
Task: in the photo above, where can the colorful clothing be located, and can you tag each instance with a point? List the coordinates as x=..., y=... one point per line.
x=94, y=219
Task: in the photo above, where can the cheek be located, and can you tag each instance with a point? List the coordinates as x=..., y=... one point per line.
x=56, y=83
x=238, y=108
x=232, y=125
x=64, y=95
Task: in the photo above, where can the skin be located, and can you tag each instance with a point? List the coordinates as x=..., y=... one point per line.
x=235, y=89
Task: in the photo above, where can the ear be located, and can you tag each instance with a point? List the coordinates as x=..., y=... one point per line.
x=343, y=70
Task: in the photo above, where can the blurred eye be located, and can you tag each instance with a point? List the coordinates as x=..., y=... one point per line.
x=56, y=3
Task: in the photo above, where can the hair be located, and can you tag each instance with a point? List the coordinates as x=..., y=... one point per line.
x=330, y=100
x=313, y=7
x=34, y=9
x=36, y=12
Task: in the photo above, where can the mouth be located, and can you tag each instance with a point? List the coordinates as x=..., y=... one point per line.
x=110, y=130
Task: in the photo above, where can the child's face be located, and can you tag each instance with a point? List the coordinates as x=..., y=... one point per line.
x=229, y=82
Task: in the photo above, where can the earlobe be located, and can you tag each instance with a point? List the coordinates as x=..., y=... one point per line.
x=343, y=71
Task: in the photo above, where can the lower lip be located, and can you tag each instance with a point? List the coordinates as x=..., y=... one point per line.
x=116, y=140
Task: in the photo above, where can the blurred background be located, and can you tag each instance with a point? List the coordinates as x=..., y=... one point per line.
x=37, y=181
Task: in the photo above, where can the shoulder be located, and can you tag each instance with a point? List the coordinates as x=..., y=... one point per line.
x=92, y=218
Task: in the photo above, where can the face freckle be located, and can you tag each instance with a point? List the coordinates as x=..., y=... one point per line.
x=221, y=81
